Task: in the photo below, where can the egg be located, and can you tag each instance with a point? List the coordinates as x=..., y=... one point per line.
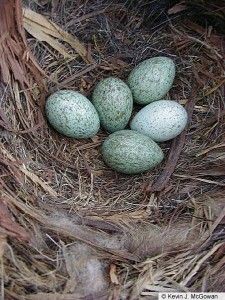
x=130, y=152
x=151, y=79
x=113, y=101
x=161, y=120
x=72, y=114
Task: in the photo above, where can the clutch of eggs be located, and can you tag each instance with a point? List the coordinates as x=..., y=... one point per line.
x=127, y=151
x=161, y=120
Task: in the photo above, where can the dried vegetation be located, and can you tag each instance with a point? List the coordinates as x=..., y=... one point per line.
x=71, y=228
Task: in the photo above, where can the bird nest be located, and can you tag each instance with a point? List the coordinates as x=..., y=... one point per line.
x=72, y=228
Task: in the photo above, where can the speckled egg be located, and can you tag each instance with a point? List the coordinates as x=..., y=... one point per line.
x=113, y=101
x=130, y=152
x=151, y=79
x=72, y=114
x=161, y=120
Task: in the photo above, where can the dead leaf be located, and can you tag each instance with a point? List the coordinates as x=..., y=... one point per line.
x=45, y=30
x=40, y=35
x=112, y=274
x=177, y=8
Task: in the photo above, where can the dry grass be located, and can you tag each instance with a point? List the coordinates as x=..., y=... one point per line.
x=69, y=214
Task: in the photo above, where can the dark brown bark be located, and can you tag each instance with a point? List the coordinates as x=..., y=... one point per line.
x=16, y=61
x=17, y=64
x=176, y=148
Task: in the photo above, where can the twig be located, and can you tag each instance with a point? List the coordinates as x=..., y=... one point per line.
x=196, y=40
x=11, y=226
x=175, y=151
x=199, y=179
x=85, y=17
x=99, y=224
x=81, y=73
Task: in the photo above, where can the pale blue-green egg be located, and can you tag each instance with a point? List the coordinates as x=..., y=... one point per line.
x=162, y=120
x=113, y=101
x=130, y=152
x=72, y=114
x=151, y=79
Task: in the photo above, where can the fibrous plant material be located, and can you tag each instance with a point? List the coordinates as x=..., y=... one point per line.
x=64, y=202
x=18, y=69
x=17, y=62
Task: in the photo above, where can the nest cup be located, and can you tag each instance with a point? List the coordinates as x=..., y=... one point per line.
x=71, y=226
